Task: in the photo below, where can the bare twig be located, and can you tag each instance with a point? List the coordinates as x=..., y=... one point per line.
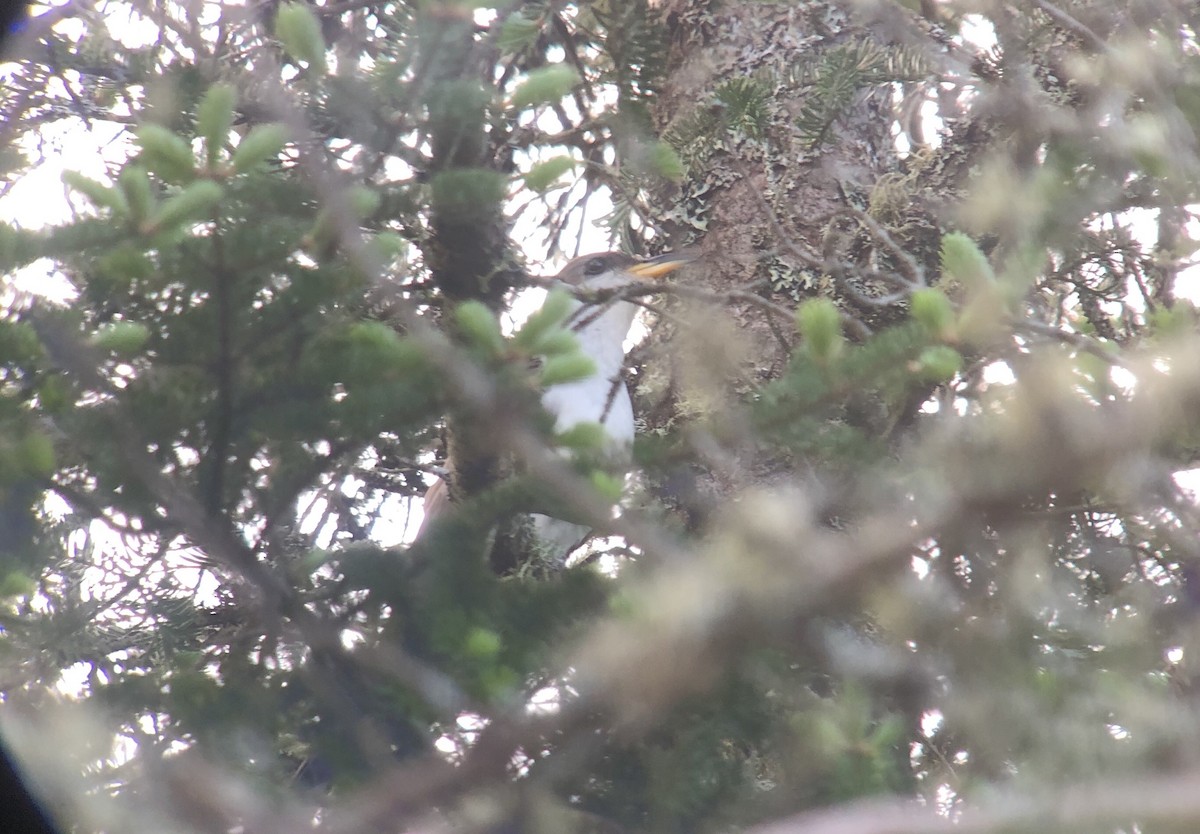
x=1072, y=24
x=912, y=270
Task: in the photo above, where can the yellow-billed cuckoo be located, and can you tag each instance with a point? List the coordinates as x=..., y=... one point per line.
x=601, y=326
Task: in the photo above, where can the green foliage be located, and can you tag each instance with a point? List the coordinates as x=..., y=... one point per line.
x=543, y=175
x=261, y=144
x=556, y=342
x=963, y=261
x=857, y=752
x=820, y=323
x=837, y=75
x=469, y=194
x=635, y=47
x=519, y=32
x=740, y=108
x=545, y=322
x=17, y=246
x=192, y=202
x=299, y=30
x=939, y=363
x=1174, y=321
x=685, y=774
x=480, y=329
x=214, y=118
x=135, y=185
x=607, y=486
x=571, y=367
x=124, y=338
x=457, y=110
x=665, y=162
x=933, y=310
x=805, y=409
x=102, y=196
x=357, y=204
x=166, y=153
x=857, y=563
x=584, y=436
x=29, y=455
x=544, y=86
x=745, y=104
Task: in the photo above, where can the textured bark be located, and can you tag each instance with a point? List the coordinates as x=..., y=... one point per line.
x=467, y=251
x=724, y=200
x=752, y=200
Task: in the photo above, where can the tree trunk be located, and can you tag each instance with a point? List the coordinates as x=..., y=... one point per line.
x=786, y=138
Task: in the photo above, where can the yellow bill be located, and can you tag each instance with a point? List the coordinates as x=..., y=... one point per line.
x=667, y=262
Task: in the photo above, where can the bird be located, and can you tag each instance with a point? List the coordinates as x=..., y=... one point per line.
x=601, y=326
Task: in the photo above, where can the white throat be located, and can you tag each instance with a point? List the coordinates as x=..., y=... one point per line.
x=601, y=398
x=601, y=330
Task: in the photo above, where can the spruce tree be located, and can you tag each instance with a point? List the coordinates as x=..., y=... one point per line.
x=910, y=534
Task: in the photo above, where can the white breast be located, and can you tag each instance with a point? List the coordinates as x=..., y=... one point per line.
x=593, y=400
x=601, y=398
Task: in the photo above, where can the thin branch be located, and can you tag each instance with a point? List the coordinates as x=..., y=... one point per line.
x=912, y=270
x=1071, y=24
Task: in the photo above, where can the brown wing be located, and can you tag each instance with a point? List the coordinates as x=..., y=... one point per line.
x=437, y=503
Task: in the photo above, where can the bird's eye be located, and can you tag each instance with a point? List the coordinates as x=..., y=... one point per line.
x=595, y=266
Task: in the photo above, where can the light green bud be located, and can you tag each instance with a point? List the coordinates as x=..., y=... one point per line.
x=544, y=174
x=569, y=367
x=545, y=319
x=194, y=200
x=939, y=363
x=101, y=196
x=820, y=323
x=166, y=153
x=124, y=338
x=478, y=324
x=263, y=142
x=299, y=31
x=933, y=311
x=962, y=260
x=544, y=86
x=214, y=118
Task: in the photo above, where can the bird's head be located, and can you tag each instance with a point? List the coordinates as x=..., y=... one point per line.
x=613, y=270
